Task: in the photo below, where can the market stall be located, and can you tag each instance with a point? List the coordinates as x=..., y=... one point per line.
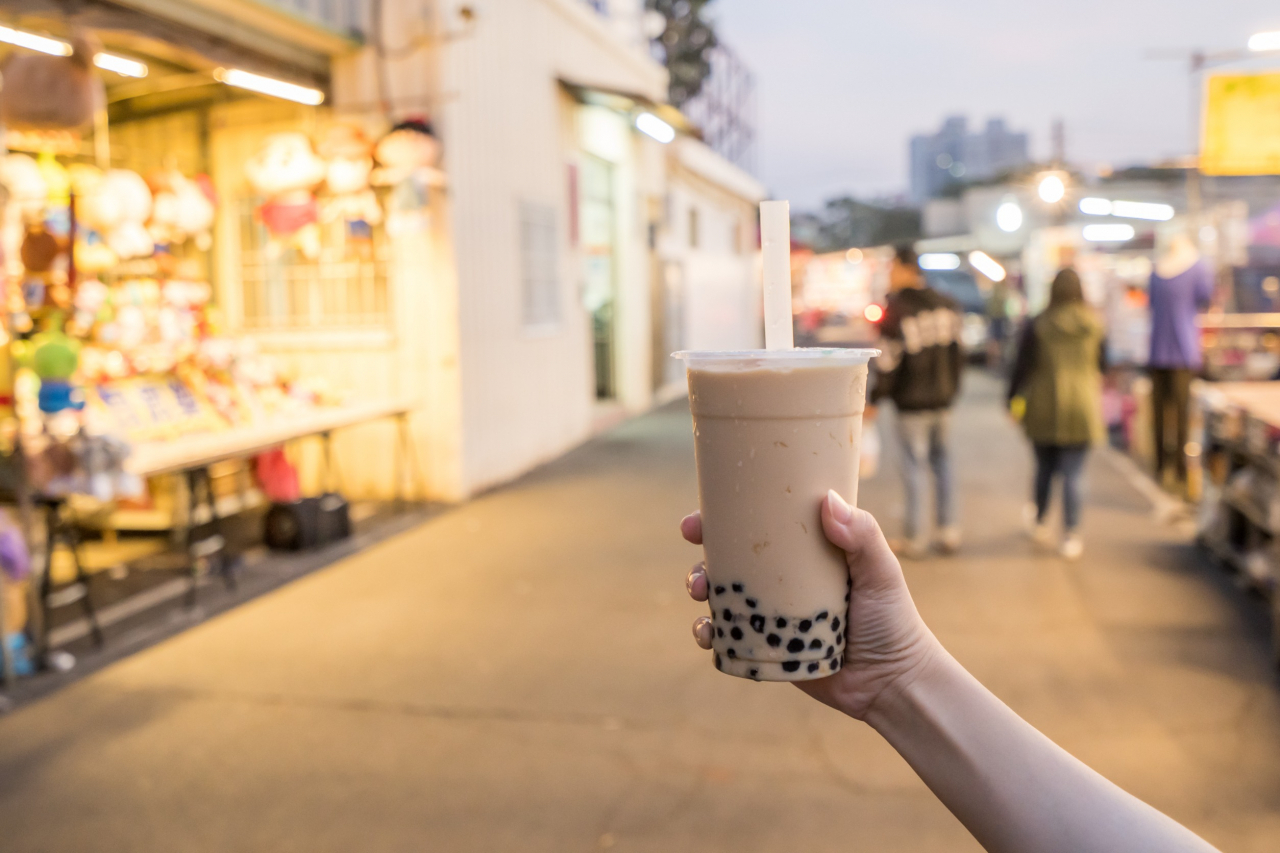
x=122, y=381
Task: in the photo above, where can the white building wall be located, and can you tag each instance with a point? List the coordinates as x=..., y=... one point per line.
x=526, y=394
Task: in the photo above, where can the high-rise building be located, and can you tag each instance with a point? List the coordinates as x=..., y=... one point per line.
x=955, y=155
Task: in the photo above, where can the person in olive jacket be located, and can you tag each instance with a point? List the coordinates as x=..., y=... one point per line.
x=1058, y=373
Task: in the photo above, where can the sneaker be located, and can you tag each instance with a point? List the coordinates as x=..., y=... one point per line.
x=909, y=549
x=1072, y=547
x=948, y=539
x=1042, y=536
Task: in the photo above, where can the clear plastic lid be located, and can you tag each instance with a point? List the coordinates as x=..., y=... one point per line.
x=797, y=357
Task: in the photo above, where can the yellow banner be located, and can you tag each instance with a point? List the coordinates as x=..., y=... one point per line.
x=1240, y=127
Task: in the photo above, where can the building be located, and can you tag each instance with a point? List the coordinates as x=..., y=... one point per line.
x=953, y=155
x=535, y=295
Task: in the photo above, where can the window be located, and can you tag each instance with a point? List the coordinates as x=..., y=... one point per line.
x=539, y=273
x=343, y=287
x=693, y=227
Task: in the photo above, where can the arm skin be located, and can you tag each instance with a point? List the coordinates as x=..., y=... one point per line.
x=1010, y=786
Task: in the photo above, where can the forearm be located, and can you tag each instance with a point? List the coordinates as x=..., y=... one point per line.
x=1012, y=787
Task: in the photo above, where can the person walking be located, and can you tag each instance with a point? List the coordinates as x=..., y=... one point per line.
x=1058, y=373
x=919, y=370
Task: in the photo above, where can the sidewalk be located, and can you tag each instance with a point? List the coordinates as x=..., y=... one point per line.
x=518, y=675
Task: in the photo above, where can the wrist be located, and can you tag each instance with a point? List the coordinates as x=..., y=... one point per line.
x=907, y=693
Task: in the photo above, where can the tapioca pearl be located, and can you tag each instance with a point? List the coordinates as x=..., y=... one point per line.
x=720, y=632
x=735, y=632
x=831, y=650
x=790, y=665
x=796, y=645
x=755, y=673
x=773, y=640
x=815, y=643
x=805, y=625
x=835, y=624
x=813, y=667
x=731, y=653
x=719, y=590
x=751, y=602
x=835, y=664
x=727, y=614
x=846, y=598
x=737, y=587
x=780, y=622
x=757, y=623
x=821, y=616
x=719, y=665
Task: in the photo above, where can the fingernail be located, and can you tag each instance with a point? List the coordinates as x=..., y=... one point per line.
x=840, y=510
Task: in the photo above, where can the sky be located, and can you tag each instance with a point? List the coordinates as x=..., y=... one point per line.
x=841, y=85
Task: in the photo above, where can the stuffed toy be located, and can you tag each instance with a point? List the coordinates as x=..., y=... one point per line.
x=118, y=208
x=349, y=155
x=27, y=194
x=44, y=92
x=286, y=171
x=180, y=210
x=407, y=158
x=54, y=358
x=92, y=254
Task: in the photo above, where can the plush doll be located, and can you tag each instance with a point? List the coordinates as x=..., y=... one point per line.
x=286, y=171
x=118, y=208
x=407, y=158
x=349, y=155
x=44, y=92
x=92, y=254
x=180, y=210
x=54, y=358
x=27, y=195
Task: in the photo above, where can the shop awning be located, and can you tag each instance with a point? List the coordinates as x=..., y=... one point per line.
x=629, y=102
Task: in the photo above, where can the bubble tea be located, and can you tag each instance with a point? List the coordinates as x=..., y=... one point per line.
x=774, y=430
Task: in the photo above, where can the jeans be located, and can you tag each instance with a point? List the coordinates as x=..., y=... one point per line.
x=1054, y=459
x=924, y=439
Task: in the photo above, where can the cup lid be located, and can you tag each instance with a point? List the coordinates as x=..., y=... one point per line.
x=777, y=357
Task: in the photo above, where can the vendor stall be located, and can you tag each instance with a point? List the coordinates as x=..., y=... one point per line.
x=123, y=382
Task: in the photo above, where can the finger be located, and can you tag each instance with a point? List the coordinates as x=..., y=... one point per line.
x=871, y=562
x=696, y=582
x=691, y=527
x=702, y=632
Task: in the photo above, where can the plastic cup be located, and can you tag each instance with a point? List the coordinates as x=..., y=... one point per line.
x=773, y=431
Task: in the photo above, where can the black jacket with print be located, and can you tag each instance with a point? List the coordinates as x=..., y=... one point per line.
x=921, y=360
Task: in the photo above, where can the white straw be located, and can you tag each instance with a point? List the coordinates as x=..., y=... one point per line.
x=775, y=246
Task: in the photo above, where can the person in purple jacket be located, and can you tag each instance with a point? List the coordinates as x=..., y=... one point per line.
x=1181, y=287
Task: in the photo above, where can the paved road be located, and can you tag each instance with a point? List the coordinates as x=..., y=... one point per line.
x=517, y=675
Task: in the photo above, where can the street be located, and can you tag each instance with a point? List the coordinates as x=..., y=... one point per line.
x=518, y=675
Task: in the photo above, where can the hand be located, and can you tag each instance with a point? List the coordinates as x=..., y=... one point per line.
x=870, y=413
x=888, y=644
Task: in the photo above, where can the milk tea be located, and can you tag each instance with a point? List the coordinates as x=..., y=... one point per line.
x=773, y=432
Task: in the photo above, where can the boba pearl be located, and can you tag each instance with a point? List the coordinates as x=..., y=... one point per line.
x=728, y=615
x=791, y=665
x=719, y=632
x=813, y=667
x=751, y=602
x=781, y=623
x=835, y=664
x=719, y=590
x=815, y=643
x=773, y=640
x=737, y=587
x=731, y=653
x=805, y=625
x=821, y=616
x=835, y=624
x=719, y=665
x=831, y=650
x=757, y=623
x=796, y=645
x=735, y=632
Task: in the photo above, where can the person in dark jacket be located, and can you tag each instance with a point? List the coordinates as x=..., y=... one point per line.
x=1058, y=373
x=919, y=370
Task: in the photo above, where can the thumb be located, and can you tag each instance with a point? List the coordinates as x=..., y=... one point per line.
x=871, y=561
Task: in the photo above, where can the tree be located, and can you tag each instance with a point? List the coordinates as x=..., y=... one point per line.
x=685, y=43
x=845, y=222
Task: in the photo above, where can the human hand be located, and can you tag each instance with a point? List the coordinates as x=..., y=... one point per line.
x=887, y=643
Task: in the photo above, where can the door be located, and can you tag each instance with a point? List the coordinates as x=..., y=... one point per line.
x=599, y=251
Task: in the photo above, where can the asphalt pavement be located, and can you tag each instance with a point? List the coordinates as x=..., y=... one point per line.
x=518, y=675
